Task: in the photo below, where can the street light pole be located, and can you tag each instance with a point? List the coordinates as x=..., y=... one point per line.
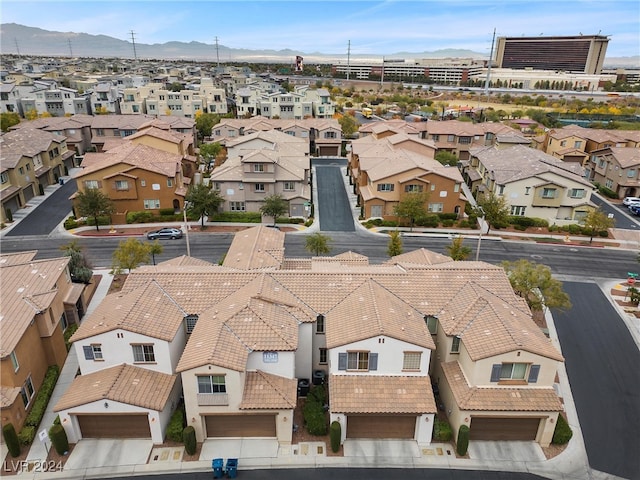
x=186, y=228
x=480, y=236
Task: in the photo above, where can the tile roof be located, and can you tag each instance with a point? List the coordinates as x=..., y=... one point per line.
x=256, y=248
x=422, y=256
x=8, y=395
x=266, y=391
x=500, y=399
x=27, y=142
x=123, y=383
x=28, y=288
x=351, y=394
x=185, y=260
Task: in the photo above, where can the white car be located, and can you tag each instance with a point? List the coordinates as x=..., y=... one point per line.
x=629, y=200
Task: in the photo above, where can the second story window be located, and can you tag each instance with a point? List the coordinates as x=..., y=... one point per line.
x=122, y=185
x=89, y=184
x=211, y=384
x=385, y=187
x=549, y=193
x=455, y=345
x=14, y=361
x=143, y=354
x=258, y=167
x=289, y=186
x=320, y=324
x=413, y=188
x=4, y=177
x=411, y=361
x=259, y=187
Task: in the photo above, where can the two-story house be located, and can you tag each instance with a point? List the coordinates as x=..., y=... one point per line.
x=617, y=168
x=39, y=301
x=383, y=170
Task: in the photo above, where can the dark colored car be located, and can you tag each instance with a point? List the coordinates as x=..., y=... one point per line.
x=171, y=233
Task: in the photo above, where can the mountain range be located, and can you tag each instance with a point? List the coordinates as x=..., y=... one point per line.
x=24, y=40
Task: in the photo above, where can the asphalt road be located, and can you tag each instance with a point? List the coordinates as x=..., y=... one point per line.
x=333, y=203
x=603, y=364
x=623, y=218
x=48, y=214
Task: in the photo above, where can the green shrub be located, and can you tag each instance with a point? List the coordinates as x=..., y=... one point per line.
x=448, y=223
x=104, y=220
x=42, y=398
x=167, y=211
x=521, y=228
x=442, y=431
x=309, y=222
x=607, y=192
x=448, y=216
x=56, y=421
x=313, y=411
x=71, y=223
x=603, y=233
x=318, y=393
x=466, y=224
x=389, y=223
x=189, y=439
x=140, y=217
x=463, y=440
x=26, y=435
x=335, y=434
x=573, y=229
x=11, y=439
x=430, y=221
x=562, y=434
x=295, y=220
x=176, y=425
x=239, y=217
x=68, y=333
x=59, y=439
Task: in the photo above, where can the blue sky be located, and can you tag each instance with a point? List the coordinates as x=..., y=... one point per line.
x=373, y=27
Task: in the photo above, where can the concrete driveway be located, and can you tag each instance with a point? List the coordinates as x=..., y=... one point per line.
x=381, y=448
x=97, y=453
x=506, y=451
x=238, y=448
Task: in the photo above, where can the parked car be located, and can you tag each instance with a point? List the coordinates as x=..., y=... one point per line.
x=633, y=205
x=171, y=233
x=635, y=209
x=629, y=200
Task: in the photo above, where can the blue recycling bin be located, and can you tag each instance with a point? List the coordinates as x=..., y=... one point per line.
x=232, y=467
x=217, y=464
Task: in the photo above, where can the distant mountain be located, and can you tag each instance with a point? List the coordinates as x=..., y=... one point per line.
x=25, y=40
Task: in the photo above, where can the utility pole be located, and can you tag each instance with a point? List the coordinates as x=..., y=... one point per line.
x=70, y=49
x=486, y=84
x=133, y=40
x=15, y=40
x=217, y=53
x=382, y=75
x=348, y=59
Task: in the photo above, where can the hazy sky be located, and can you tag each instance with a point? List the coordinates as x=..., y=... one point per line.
x=373, y=27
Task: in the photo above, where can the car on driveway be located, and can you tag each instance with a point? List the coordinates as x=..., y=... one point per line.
x=629, y=200
x=171, y=233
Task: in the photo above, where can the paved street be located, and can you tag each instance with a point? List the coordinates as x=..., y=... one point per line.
x=603, y=364
x=333, y=204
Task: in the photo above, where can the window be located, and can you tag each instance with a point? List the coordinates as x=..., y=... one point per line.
x=169, y=182
x=211, y=384
x=259, y=187
x=385, y=187
x=236, y=206
x=4, y=177
x=513, y=371
x=91, y=184
x=154, y=203
x=432, y=323
x=456, y=188
x=548, y=193
x=455, y=345
x=190, y=323
x=451, y=138
x=258, y=167
x=412, y=188
x=21, y=170
x=577, y=144
x=143, y=353
x=527, y=190
x=289, y=186
x=563, y=143
x=122, y=185
x=320, y=324
x=435, y=138
x=631, y=173
x=323, y=356
x=63, y=321
x=411, y=361
x=500, y=189
x=609, y=183
x=14, y=361
x=143, y=183
x=100, y=132
x=93, y=352
x=435, y=207
x=329, y=134
x=577, y=193
x=464, y=140
x=358, y=361
x=518, y=210
x=27, y=391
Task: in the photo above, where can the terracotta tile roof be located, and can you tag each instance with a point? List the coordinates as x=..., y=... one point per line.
x=351, y=394
x=156, y=132
x=256, y=248
x=17, y=258
x=266, y=391
x=422, y=256
x=185, y=260
x=27, y=142
x=123, y=383
x=626, y=156
x=8, y=395
x=28, y=288
x=371, y=310
x=501, y=399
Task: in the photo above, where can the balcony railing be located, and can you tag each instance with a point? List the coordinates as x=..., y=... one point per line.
x=213, y=399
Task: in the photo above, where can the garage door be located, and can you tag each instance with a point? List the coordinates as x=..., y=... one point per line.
x=381, y=426
x=28, y=193
x=241, y=425
x=503, y=428
x=114, y=426
x=327, y=151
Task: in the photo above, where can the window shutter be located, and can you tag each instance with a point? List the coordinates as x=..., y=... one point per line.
x=342, y=361
x=533, y=373
x=495, y=372
x=88, y=352
x=373, y=361
x=99, y=183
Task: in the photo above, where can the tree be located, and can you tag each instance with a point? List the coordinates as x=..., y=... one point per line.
x=412, y=206
x=457, y=250
x=447, y=158
x=175, y=87
x=130, y=254
x=318, y=243
x=203, y=201
x=534, y=282
x=274, y=206
x=205, y=122
x=31, y=114
x=349, y=125
x=93, y=203
x=79, y=267
x=101, y=111
x=8, y=120
x=155, y=248
x=494, y=209
x=394, y=247
x=209, y=152
x=597, y=221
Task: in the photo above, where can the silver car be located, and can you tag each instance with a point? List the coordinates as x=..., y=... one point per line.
x=171, y=233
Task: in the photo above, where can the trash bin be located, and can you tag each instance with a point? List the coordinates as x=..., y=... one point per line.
x=216, y=465
x=232, y=467
x=61, y=180
x=303, y=387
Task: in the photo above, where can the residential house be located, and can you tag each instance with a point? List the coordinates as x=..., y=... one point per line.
x=384, y=170
x=105, y=98
x=533, y=183
x=39, y=301
x=616, y=168
x=262, y=164
x=9, y=98
x=302, y=102
x=30, y=160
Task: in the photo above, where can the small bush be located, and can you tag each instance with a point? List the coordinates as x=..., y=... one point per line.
x=389, y=223
x=563, y=433
x=11, y=439
x=430, y=221
x=71, y=223
x=295, y=220
x=140, y=217
x=448, y=216
x=448, y=223
x=603, y=233
x=520, y=228
x=26, y=435
x=68, y=333
x=442, y=431
x=56, y=421
x=313, y=411
x=309, y=222
x=463, y=440
x=104, y=220
x=176, y=425
x=335, y=434
x=167, y=211
x=42, y=398
x=239, y=217
x=607, y=192
x=189, y=439
x=59, y=439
